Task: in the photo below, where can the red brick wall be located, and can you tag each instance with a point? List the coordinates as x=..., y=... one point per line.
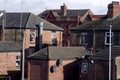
x=47, y=37
x=66, y=71
x=27, y=38
x=113, y=9
x=37, y=70
x=8, y=62
x=41, y=70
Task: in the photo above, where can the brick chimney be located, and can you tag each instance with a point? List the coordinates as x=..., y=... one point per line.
x=63, y=10
x=113, y=9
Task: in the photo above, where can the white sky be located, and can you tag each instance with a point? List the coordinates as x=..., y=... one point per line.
x=38, y=6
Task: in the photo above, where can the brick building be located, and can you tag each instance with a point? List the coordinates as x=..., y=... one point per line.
x=67, y=18
x=10, y=60
x=95, y=34
x=55, y=63
x=13, y=30
x=99, y=65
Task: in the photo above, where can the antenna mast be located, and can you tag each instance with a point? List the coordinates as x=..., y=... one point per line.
x=4, y=21
x=23, y=51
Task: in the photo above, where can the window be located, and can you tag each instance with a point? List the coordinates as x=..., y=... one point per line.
x=54, y=40
x=84, y=68
x=83, y=38
x=18, y=60
x=107, y=38
x=32, y=37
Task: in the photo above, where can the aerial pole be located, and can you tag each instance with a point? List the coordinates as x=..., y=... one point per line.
x=23, y=49
x=4, y=21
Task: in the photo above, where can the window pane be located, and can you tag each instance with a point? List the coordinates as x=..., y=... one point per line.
x=107, y=38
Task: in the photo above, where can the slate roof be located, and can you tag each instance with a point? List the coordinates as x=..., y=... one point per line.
x=35, y=20
x=104, y=54
x=70, y=13
x=9, y=46
x=60, y=53
x=102, y=24
x=29, y=20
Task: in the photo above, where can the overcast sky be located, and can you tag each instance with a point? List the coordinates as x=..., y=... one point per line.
x=38, y=6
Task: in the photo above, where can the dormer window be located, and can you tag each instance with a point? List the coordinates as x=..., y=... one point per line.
x=32, y=37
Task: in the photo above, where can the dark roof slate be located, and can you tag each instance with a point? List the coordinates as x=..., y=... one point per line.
x=70, y=13
x=29, y=20
x=13, y=20
x=60, y=53
x=35, y=21
x=9, y=46
x=104, y=54
x=102, y=24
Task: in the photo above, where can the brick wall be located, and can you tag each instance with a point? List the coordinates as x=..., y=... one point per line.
x=8, y=62
x=113, y=9
x=118, y=67
x=66, y=71
x=47, y=37
x=41, y=70
x=37, y=70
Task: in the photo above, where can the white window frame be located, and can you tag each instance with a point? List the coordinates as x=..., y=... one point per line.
x=107, y=37
x=83, y=38
x=18, y=60
x=32, y=37
x=53, y=36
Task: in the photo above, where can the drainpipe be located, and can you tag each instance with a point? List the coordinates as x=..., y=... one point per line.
x=40, y=29
x=110, y=43
x=94, y=37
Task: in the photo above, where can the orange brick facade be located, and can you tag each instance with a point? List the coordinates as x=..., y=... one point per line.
x=47, y=37
x=8, y=62
x=41, y=70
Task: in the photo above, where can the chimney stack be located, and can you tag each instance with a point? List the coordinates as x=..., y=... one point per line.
x=113, y=9
x=63, y=9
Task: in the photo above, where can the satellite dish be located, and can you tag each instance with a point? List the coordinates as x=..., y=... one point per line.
x=59, y=62
x=53, y=68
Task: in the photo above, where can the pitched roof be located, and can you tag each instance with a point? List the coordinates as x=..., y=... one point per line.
x=60, y=53
x=35, y=20
x=96, y=17
x=104, y=54
x=70, y=13
x=9, y=46
x=29, y=20
x=101, y=24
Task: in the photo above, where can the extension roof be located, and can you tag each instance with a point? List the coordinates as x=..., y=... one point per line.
x=104, y=54
x=60, y=53
x=9, y=46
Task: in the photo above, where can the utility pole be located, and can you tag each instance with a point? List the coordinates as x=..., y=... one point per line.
x=23, y=56
x=110, y=52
